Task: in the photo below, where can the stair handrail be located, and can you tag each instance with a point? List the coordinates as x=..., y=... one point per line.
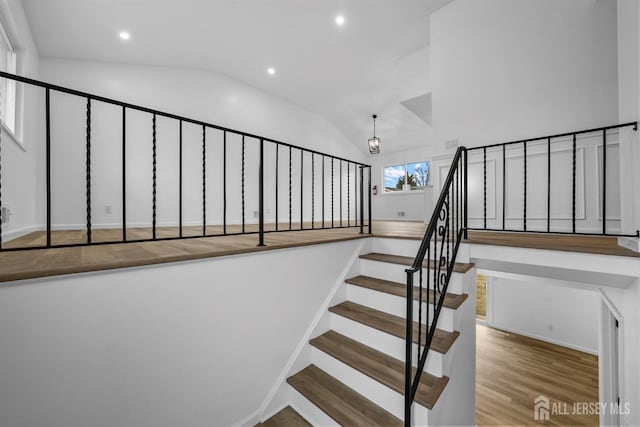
x=452, y=199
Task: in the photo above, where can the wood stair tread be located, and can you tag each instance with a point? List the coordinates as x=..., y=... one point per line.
x=393, y=325
x=287, y=417
x=379, y=366
x=341, y=403
x=408, y=261
x=453, y=301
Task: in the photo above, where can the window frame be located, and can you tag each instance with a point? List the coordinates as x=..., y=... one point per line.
x=11, y=124
x=406, y=189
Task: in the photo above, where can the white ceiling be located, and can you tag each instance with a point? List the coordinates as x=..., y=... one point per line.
x=343, y=73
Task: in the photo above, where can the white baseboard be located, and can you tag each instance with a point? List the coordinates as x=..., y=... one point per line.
x=545, y=339
x=631, y=243
x=307, y=335
x=248, y=421
x=18, y=232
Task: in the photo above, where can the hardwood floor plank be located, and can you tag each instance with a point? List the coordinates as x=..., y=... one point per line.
x=287, y=417
x=393, y=325
x=512, y=370
x=379, y=366
x=344, y=405
x=452, y=301
x=408, y=261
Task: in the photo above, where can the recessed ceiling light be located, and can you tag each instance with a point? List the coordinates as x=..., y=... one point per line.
x=271, y=71
x=124, y=35
x=340, y=20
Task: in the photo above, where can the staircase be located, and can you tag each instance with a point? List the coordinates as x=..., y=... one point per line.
x=352, y=372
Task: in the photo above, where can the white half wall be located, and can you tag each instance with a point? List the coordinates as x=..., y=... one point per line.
x=183, y=344
x=535, y=307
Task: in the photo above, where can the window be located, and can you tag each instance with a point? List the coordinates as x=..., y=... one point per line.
x=406, y=177
x=7, y=86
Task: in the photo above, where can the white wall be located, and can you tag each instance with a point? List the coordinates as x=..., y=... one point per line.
x=505, y=70
x=386, y=206
x=628, y=108
x=184, y=344
x=196, y=94
x=535, y=307
x=22, y=160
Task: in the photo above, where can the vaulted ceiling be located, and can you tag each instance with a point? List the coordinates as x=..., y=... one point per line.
x=371, y=64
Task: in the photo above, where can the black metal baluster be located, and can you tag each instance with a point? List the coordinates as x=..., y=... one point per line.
x=261, y=195
x=361, y=199
x=573, y=186
x=153, y=219
x=290, y=210
x=340, y=193
x=180, y=181
x=204, y=181
x=466, y=194
x=323, y=191
x=224, y=182
x=504, y=187
x=604, y=182
x=124, y=174
x=88, y=170
x=1, y=218
x=48, y=161
x=408, y=351
x=313, y=191
x=243, y=160
x=301, y=189
x=348, y=195
x=355, y=193
x=548, y=185
x=484, y=169
x=525, y=187
x=277, y=164
x=332, y=193
x=370, y=221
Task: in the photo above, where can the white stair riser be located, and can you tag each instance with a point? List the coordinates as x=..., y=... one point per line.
x=403, y=247
x=310, y=412
x=397, y=306
x=386, y=343
x=378, y=393
x=396, y=273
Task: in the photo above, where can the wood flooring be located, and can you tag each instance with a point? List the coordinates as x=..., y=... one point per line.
x=513, y=370
x=57, y=261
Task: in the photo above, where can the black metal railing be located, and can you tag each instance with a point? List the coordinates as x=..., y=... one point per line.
x=546, y=222
x=268, y=170
x=433, y=266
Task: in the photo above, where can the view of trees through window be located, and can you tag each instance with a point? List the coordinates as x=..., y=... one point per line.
x=406, y=177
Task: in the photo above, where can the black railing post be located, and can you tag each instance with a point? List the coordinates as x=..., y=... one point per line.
x=301, y=189
x=323, y=195
x=290, y=208
x=484, y=185
x=604, y=182
x=548, y=185
x=224, y=182
x=370, y=221
x=261, y=194
x=124, y=174
x=242, y=183
x=524, y=217
x=48, y=161
x=204, y=180
x=180, y=180
x=361, y=199
x=313, y=190
x=277, y=162
x=88, y=170
x=408, y=365
x=504, y=187
x=466, y=195
x=340, y=192
x=573, y=185
x=154, y=148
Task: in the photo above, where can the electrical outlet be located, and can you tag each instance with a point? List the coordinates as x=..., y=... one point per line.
x=401, y=213
x=108, y=209
x=256, y=214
